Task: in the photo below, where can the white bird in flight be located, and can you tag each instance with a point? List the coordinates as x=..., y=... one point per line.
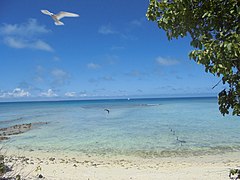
x=60, y=15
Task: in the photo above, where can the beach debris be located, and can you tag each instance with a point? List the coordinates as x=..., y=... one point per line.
x=38, y=169
x=108, y=111
x=2, y=165
x=40, y=176
x=52, y=159
x=234, y=174
x=18, y=177
x=94, y=164
x=60, y=15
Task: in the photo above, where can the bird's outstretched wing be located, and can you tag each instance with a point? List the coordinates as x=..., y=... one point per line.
x=46, y=12
x=63, y=14
x=58, y=23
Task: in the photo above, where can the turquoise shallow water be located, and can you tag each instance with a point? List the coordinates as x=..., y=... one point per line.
x=140, y=127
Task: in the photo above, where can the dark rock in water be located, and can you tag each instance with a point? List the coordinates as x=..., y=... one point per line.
x=3, y=138
x=17, y=129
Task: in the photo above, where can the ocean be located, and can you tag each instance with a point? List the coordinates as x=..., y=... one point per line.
x=156, y=127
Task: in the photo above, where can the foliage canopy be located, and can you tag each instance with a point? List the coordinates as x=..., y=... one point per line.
x=214, y=28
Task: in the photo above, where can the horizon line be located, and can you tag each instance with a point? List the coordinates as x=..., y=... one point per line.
x=103, y=98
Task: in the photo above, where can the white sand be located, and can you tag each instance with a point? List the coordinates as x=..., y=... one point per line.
x=81, y=167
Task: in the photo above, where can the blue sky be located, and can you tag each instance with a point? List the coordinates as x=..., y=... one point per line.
x=111, y=50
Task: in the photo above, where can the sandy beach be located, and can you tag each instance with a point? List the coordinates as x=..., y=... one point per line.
x=82, y=167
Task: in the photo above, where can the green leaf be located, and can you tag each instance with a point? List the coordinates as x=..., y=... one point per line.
x=229, y=46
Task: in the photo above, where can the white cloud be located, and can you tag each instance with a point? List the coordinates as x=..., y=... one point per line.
x=60, y=77
x=93, y=66
x=74, y=94
x=41, y=45
x=106, y=30
x=53, y=77
x=49, y=93
x=15, y=43
x=17, y=92
x=20, y=43
x=59, y=73
x=31, y=28
x=83, y=94
x=39, y=73
x=137, y=22
x=20, y=93
x=25, y=35
x=166, y=61
x=71, y=94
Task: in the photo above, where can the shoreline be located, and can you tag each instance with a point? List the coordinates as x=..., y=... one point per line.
x=78, y=166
